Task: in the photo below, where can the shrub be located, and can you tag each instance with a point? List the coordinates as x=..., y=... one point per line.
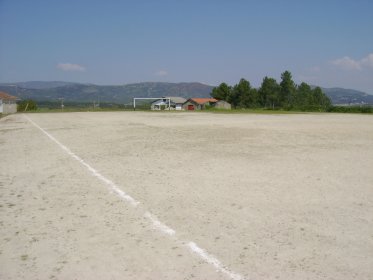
x=27, y=105
x=351, y=109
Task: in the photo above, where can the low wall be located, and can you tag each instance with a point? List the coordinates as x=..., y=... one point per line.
x=9, y=108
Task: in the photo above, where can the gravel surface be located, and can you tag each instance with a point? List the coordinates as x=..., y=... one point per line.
x=265, y=196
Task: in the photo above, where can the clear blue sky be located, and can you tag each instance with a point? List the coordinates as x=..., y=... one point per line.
x=328, y=43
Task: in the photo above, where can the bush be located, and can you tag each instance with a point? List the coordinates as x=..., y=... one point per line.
x=27, y=105
x=351, y=109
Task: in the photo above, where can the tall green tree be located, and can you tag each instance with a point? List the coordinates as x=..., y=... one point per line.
x=254, y=98
x=303, y=97
x=268, y=93
x=287, y=91
x=285, y=95
x=320, y=99
x=221, y=92
x=242, y=94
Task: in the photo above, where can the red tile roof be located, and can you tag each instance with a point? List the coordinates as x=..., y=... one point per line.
x=202, y=101
x=6, y=96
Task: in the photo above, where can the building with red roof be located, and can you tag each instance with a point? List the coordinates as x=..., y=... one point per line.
x=8, y=103
x=198, y=103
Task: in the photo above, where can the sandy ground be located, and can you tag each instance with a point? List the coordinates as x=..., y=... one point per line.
x=269, y=196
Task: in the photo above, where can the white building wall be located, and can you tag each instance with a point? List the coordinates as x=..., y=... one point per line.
x=8, y=107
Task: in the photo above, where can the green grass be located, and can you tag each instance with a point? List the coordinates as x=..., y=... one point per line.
x=75, y=109
x=213, y=111
x=253, y=111
x=335, y=109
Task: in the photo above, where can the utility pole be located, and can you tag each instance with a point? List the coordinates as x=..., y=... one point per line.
x=62, y=106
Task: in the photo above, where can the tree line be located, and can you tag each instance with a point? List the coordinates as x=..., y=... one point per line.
x=272, y=95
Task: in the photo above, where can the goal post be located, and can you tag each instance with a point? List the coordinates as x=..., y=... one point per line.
x=151, y=98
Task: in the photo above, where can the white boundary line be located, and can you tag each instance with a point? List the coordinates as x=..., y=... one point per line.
x=158, y=225
x=193, y=247
x=109, y=183
x=212, y=260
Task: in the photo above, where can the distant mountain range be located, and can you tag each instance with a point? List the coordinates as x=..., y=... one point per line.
x=73, y=92
x=122, y=94
x=342, y=96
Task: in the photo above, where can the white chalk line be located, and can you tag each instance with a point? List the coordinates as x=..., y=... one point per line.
x=212, y=260
x=193, y=247
x=158, y=225
x=113, y=187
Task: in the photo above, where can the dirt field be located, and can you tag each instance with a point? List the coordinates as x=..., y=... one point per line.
x=134, y=195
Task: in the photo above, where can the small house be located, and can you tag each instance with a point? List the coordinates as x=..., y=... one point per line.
x=178, y=102
x=8, y=103
x=221, y=104
x=198, y=103
x=175, y=103
x=160, y=104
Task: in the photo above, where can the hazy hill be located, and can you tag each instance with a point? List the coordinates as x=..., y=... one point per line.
x=116, y=94
x=348, y=96
x=74, y=92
